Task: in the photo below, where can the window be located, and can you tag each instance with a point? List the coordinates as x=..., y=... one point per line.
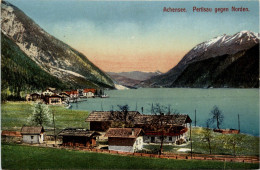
x=170, y=138
x=31, y=137
x=152, y=139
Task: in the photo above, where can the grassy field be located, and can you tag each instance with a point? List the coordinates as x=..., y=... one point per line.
x=28, y=157
x=15, y=114
x=249, y=146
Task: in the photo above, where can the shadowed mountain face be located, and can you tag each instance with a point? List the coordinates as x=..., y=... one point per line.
x=237, y=70
x=212, y=62
x=53, y=56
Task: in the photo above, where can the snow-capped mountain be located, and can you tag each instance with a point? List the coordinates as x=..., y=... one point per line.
x=51, y=54
x=233, y=47
x=221, y=45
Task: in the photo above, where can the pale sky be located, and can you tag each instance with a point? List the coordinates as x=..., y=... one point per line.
x=137, y=36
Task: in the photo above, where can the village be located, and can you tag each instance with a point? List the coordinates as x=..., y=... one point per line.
x=123, y=130
x=161, y=134
x=52, y=96
x=120, y=132
x=143, y=130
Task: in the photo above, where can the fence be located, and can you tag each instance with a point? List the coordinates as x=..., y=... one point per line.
x=225, y=158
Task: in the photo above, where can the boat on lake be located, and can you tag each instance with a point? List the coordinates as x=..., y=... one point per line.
x=104, y=96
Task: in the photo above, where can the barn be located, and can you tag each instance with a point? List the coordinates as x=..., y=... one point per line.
x=101, y=120
x=125, y=139
x=32, y=134
x=79, y=137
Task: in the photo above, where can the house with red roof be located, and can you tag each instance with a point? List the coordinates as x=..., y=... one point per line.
x=89, y=92
x=73, y=93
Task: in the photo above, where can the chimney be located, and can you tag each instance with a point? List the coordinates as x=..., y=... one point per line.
x=133, y=131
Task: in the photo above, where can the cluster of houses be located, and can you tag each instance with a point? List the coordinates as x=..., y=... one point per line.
x=119, y=139
x=55, y=97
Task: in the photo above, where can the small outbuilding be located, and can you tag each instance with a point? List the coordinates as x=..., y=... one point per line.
x=79, y=137
x=11, y=136
x=125, y=139
x=32, y=134
x=35, y=96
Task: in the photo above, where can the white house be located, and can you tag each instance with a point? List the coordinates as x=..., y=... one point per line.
x=176, y=136
x=89, y=93
x=125, y=139
x=32, y=134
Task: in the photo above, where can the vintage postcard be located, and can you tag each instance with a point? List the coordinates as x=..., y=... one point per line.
x=89, y=84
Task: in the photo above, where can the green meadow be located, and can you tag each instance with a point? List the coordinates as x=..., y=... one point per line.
x=15, y=115
x=29, y=157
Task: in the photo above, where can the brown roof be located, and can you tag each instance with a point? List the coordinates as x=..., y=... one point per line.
x=11, y=133
x=31, y=130
x=123, y=132
x=78, y=132
x=175, y=119
x=103, y=116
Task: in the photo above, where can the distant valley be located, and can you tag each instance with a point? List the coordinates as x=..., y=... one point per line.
x=132, y=79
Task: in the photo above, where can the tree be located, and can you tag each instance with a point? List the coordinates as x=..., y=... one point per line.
x=217, y=116
x=161, y=122
x=233, y=142
x=41, y=115
x=123, y=118
x=208, y=135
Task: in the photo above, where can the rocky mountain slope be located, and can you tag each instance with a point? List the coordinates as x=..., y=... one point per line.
x=20, y=73
x=53, y=56
x=222, y=53
x=133, y=78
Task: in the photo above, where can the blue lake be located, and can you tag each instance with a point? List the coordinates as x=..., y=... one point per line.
x=231, y=102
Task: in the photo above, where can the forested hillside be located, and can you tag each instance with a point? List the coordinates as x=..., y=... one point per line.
x=20, y=73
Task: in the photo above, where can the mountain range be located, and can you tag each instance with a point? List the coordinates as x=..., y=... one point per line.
x=32, y=59
x=57, y=60
x=224, y=61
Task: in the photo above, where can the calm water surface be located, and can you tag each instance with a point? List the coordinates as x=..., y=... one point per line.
x=231, y=102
